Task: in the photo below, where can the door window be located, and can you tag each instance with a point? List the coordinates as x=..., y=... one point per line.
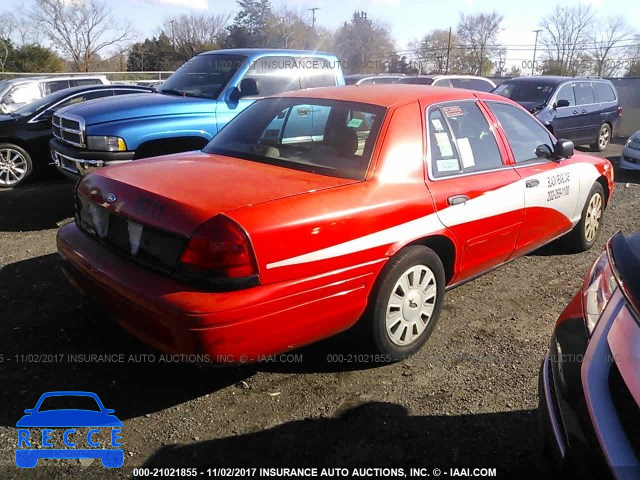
x=274, y=75
x=584, y=93
x=24, y=93
x=85, y=81
x=461, y=140
x=523, y=132
x=566, y=93
x=472, y=84
x=56, y=85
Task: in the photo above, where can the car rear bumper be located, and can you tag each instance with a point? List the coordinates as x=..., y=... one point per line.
x=630, y=159
x=230, y=327
x=74, y=162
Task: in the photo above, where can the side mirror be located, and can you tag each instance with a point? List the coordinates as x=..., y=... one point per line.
x=563, y=148
x=562, y=103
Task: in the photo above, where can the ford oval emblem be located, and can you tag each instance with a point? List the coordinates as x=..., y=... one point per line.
x=111, y=198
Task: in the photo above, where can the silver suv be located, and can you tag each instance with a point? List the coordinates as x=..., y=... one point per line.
x=18, y=92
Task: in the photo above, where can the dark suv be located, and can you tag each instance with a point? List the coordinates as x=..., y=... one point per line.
x=582, y=109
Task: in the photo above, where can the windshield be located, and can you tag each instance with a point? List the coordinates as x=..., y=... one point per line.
x=39, y=104
x=532, y=92
x=203, y=76
x=68, y=402
x=327, y=137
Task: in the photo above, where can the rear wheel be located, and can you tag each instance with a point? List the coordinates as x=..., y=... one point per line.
x=604, y=137
x=585, y=233
x=15, y=165
x=406, y=302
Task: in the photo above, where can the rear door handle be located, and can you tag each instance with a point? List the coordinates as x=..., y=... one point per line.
x=575, y=112
x=457, y=199
x=532, y=183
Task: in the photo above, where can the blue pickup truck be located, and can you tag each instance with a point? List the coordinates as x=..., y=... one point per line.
x=189, y=108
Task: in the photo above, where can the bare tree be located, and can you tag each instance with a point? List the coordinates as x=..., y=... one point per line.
x=8, y=25
x=80, y=29
x=565, y=35
x=478, y=33
x=195, y=33
x=290, y=27
x=607, y=46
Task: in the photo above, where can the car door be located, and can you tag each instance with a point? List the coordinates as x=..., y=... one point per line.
x=476, y=193
x=550, y=186
x=566, y=120
x=588, y=111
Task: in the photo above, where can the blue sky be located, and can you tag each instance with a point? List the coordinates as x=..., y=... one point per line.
x=408, y=19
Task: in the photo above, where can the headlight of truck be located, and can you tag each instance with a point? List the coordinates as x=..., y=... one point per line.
x=598, y=288
x=106, y=144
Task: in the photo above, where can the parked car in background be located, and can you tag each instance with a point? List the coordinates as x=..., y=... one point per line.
x=18, y=92
x=581, y=109
x=190, y=107
x=25, y=133
x=590, y=379
x=364, y=79
x=470, y=82
x=630, y=159
x=278, y=234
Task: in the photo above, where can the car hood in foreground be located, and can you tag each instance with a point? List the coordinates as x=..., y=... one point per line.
x=179, y=192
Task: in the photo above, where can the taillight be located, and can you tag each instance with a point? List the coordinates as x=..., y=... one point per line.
x=598, y=288
x=219, y=255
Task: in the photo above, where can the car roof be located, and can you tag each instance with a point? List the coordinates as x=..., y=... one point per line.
x=390, y=95
x=554, y=79
x=259, y=52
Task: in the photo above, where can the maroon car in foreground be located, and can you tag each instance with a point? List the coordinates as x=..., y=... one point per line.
x=590, y=380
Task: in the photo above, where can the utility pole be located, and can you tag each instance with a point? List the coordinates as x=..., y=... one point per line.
x=173, y=37
x=446, y=68
x=313, y=16
x=535, y=46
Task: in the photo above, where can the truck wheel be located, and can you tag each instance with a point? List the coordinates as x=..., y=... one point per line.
x=585, y=233
x=604, y=137
x=407, y=300
x=15, y=165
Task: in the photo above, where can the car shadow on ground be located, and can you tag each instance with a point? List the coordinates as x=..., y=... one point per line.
x=38, y=205
x=377, y=434
x=49, y=350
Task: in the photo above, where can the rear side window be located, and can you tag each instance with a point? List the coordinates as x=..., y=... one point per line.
x=472, y=84
x=584, y=93
x=523, y=132
x=315, y=72
x=274, y=75
x=461, y=140
x=383, y=80
x=604, y=92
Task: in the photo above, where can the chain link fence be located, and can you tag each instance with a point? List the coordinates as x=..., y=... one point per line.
x=119, y=77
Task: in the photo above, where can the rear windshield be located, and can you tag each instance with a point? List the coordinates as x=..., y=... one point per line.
x=203, y=76
x=327, y=137
x=534, y=92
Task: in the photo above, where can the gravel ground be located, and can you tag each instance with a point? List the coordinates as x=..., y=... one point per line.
x=468, y=398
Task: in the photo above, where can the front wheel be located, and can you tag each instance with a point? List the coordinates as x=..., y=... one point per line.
x=585, y=233
x=604, y=137
x=406, y=302
x=15, y=165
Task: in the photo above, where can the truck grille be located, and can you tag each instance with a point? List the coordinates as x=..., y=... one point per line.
x=151, y=247
x=69, y=129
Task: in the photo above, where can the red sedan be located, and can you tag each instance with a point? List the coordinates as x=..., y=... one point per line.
x=317, y=209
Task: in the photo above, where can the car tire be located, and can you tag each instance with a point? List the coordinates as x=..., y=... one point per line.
x=603, y=139
x=16, y=165
x=405, y=303
x=585, y=233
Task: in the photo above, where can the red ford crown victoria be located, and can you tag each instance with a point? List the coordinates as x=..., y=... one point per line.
x=321, y=208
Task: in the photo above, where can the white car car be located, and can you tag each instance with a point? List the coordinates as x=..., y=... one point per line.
x=630, y=159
